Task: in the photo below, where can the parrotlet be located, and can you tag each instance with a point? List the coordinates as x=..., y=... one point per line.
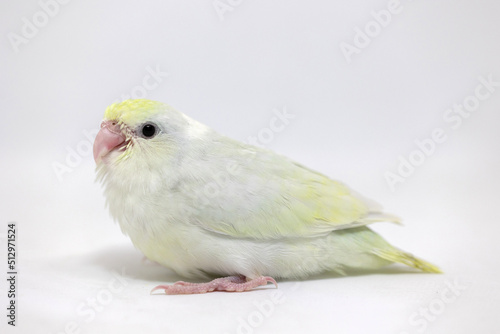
x=206, y=205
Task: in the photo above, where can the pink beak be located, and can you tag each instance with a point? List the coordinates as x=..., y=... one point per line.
x=108, y=138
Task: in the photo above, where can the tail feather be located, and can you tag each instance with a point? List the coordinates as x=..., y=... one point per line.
x=396, y=255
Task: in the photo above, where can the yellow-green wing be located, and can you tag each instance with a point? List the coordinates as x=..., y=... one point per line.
x=272, y=197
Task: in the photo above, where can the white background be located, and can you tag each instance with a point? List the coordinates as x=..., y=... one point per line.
x=353, y=120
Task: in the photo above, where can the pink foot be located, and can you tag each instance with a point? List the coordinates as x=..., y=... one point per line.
x=231, y=283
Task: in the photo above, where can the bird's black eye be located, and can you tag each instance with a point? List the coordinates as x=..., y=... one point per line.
x=149, y=131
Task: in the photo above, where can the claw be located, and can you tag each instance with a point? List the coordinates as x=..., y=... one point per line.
x=229, y=284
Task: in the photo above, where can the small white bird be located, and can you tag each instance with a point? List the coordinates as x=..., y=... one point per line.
x=203, y=204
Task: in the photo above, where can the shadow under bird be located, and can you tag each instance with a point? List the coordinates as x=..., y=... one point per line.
x=204, y=204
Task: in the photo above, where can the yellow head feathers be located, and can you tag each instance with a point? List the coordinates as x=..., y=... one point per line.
x=132, y=112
